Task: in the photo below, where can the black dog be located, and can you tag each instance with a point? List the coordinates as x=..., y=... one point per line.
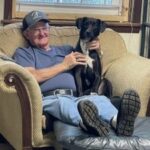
x=88, y=78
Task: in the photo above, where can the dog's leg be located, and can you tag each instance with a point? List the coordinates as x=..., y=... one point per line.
x=97, y=67
x=96, y=83
x=78, y=81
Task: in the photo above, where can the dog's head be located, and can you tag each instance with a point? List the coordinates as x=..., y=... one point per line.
x=90, y=28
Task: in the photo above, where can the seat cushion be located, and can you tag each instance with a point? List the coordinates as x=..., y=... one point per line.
x=73, y=138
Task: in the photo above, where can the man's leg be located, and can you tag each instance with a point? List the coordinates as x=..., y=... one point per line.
x=106, y=110
x=65, y=108
x=91, y=121
x=96, y=113
x=128, y=111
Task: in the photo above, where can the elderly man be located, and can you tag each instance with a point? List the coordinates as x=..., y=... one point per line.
x=52, y=68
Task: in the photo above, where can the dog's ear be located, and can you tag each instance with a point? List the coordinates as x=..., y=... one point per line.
x=79, y=22
x=102, y=25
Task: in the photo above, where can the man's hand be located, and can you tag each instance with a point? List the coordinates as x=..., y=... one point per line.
x=73, y=59
x=95, y=44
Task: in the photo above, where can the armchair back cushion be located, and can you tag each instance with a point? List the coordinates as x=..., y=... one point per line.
x=11, y=38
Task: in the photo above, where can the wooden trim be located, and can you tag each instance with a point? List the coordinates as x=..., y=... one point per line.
x=125, y=27
x=136, y=16
x=117, y=26
x=125, y=9
x=8, y=9
x=69, y=17
x=14, y=80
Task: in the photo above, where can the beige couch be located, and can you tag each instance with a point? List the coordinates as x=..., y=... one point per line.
x=20, y=97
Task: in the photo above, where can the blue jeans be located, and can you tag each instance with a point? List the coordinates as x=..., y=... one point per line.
x=64, y=107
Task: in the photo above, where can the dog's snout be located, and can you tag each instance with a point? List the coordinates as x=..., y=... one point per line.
x=88, y=33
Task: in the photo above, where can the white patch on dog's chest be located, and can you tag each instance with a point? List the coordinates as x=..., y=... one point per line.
x=90, y=61
x=86, y=52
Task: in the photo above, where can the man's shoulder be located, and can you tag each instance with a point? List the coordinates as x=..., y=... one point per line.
x=24, y=50
x=67, y=46
x=64, y=48
x=20, y=49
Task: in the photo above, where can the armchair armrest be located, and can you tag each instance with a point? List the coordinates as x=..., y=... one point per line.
x=131, y=72
x=21, y=106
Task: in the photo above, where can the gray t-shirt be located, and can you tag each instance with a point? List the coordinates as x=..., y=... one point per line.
x=37, y=58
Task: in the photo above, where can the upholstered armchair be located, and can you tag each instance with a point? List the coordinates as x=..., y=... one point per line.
x=20, y=96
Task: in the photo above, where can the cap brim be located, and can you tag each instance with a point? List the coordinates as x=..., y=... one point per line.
x=38, y=20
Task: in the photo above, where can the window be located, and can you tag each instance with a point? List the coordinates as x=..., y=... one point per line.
x=79, y=3
x=127, y=19
x=108, y=10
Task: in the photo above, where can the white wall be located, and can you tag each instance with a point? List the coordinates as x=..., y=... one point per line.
x=1, y=9
x=132, y=41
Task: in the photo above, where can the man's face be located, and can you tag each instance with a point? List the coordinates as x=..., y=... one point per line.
x=38, y=35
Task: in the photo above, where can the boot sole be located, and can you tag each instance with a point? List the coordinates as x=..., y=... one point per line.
x=130, y=107
x=91, y=119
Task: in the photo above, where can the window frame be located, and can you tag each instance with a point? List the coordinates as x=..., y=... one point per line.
x=56, y=15
x=124, y=17
x=132, y=25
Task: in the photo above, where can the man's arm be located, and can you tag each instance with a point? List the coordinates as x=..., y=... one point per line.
x=95, y=44
x=46, y=73
x=69, y=62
